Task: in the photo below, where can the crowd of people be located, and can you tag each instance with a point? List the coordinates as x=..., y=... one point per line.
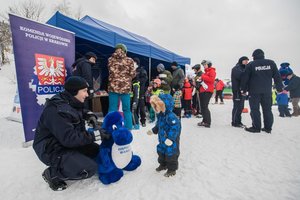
x=69, y=150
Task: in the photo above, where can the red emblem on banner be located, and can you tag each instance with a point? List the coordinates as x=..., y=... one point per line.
x=50, y=69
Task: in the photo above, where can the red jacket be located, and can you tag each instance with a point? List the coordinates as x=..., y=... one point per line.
x=220, y=85
x=208, y=77
x=187, y=91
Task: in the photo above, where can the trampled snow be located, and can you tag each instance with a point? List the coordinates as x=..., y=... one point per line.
x=220, y=162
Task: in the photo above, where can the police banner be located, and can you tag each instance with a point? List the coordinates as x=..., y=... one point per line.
x=43, y=57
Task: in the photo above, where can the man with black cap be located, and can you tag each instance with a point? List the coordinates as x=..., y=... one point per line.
x=238, y=100
x=83, y=68
x=61, y=140
x=257, y=81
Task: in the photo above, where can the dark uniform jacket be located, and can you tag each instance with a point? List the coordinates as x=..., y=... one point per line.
x=258, y=76
x=61, y=126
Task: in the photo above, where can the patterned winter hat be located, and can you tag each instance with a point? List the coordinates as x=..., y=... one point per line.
x=74, y=84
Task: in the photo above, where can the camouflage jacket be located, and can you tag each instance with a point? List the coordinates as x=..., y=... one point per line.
x=121, y=72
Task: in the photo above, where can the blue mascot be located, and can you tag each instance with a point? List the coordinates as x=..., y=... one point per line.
x=115, y=154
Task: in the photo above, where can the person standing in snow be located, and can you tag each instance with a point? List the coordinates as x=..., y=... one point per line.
x=178, y=75
x=257, y=80
x=121, y=72
x=61, y=140
x=142, y=77
x=196, y=96
x=238, y=99
x=166, y=78
x=219, y=90
x=83, y=67
x=207, y=80
x=294, y=89
x=168, y=128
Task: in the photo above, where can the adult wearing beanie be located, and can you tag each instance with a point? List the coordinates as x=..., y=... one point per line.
x=166, y=78
x=61, y=141
x=83, y=68
x=257, y=80
x=178, y=75
x=238, y=100
x=121, y=72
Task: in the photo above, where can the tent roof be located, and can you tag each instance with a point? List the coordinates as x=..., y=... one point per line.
x=100, y=32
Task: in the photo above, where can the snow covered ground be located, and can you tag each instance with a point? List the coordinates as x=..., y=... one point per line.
x=217, y=163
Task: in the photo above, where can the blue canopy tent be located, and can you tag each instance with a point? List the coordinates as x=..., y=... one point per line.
x=97, y=36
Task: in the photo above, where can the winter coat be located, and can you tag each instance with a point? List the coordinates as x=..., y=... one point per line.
x=177, y=99
x=167, y=127
x=197, y=84
x=83, y=68
x=282, y=99
x=61, y=126
x=294, y=87
x=187, y=91
x=258, y=76
x=121, y=72
x=178, y=77
x=236, y=77
x=220, y=85
x=166, y=77
x=142, y=77
x=208, y=77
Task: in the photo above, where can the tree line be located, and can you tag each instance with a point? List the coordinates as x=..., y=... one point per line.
x=30, y=9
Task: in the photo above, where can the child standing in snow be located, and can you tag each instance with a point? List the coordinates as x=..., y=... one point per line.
x=187, y=93
x=155, y=91
x=168, y=128
x=282, y=102
x=177, y=100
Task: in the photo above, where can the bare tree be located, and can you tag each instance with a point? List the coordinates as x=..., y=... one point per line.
x=78, y=14
x=5, y=41
x=30, y=9
x=64, y=7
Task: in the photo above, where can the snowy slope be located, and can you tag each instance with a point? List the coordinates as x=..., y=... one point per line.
x=217, y=163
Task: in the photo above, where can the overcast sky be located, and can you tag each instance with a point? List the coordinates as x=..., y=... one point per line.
x=219, y=30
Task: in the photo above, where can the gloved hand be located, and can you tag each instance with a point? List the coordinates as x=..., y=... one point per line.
x=91, y=119
x=134, y=105
x=168, y=142
x=94, y=133
x=104, y=135
x=150, y=132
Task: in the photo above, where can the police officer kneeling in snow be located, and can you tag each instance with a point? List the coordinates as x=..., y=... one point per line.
x=61, y=139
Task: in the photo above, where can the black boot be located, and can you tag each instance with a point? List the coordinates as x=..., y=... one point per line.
x=170, y=173
x=160, y=168
x=252, y=130
x=55, y=183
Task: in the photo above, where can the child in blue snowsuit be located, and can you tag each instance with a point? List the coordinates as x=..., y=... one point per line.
x=282, y=102
x=168, y=128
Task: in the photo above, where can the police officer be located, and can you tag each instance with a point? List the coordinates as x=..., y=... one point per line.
x=257, y=81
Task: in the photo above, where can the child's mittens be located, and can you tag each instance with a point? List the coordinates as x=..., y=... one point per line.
x=150, y=132
x=168, y=142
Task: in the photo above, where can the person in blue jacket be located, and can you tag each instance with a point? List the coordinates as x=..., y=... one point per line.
x=61, y=140
x=257, y=80
x=168, y=128
x=283, y=104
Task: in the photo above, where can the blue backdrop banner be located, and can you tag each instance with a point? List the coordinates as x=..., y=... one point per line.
x=43, y=58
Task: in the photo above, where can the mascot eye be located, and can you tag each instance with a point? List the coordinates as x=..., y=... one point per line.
x=122, y=123
x=114, y=127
